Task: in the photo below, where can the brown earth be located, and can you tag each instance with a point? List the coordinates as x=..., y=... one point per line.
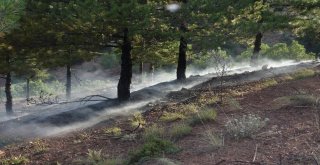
x=291, y=136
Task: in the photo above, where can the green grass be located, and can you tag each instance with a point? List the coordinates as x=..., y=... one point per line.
x=295, y=100
x=245, y=126
x=213, y=140
x=152, y=148
x=203, y=116
x=172, y=116
x=153, y=131
x=304, y=73
x=113, y=131
x=15, y=160
x=268, y=83
x=95, y=157
x=179, y=130
x=137, y=119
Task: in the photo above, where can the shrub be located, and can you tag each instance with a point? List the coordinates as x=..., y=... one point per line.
x=268, y=83
x=179, y=130
x=213, y=140
x=190, y=109
x=294, y=51
x=153, y=131
x=15, y=160
x=304, y=73
x=171, y=116
x=109, y=60
x=207, y=115
x=245, y=126
x=96, y=158
x=113, y=131
x=137, y=119
x=153, y=147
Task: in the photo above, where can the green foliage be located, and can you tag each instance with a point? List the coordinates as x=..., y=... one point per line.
x=153, y=131
x=137, y=120
x=15, y=160
x=268, y=83
x=280, y=51
x=113, y=131
x=109, y=60
x=304, y=73
x=153, y=147
x=245, y=126
x=10, y=13
x=179, y=130
x=172, y=116
x=211, y=58
x=203, y=116
x=296, y=100
x=213, y=139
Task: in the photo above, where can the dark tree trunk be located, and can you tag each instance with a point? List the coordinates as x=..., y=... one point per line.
x=257, y=48
x=126, y=68
x=182, y=59
x=68, y=83
x=28, y=89
x=8, y=94
x=141, y=71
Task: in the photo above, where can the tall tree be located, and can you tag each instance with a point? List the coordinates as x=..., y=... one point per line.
x=10, y=13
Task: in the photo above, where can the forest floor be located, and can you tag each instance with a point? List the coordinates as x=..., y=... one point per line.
x=282, y=126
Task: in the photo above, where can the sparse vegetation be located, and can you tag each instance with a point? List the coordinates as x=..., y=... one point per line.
x=172, y=116
x=15, y=160
x=113, y=131
x=304, y=73
x=154, y=131
x=213, y=139
x=151, y=148
x=268, y=83
x=203, y=116
x=245, y=126
x=189, y=109
x=39, y=146
x=179, y=130
x=137, y=120
x=95, y=157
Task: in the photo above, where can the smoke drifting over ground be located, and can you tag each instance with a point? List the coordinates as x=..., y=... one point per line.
x=57, y=119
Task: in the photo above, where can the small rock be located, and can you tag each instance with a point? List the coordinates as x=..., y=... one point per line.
x=265, y=67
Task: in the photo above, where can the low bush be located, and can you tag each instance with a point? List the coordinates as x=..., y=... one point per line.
x=153, y=147
x=304, y=73
x=172, y=116
x=245, y=126
x=154, y=131
x=213, y=140
x=179, y=130
x=15, y=160
x=203, y=116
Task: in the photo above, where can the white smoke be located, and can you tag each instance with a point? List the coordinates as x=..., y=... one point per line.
x=174, y=7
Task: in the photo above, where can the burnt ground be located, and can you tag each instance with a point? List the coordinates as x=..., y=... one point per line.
x=291, y=136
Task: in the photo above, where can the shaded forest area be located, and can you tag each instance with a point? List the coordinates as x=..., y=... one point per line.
x=38, y=36
x=232, y=107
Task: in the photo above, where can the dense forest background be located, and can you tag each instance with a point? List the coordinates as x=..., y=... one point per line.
x=46, y=45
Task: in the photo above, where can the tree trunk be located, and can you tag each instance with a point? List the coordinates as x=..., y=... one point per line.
x=68, y=83
x=28, y=89
x=151, y=71
x=126, y=68
x=8, y=94
x=141, y=71
x=256, y=49
x=182, y=60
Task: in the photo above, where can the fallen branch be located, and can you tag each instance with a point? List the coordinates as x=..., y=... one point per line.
x=89, y=98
